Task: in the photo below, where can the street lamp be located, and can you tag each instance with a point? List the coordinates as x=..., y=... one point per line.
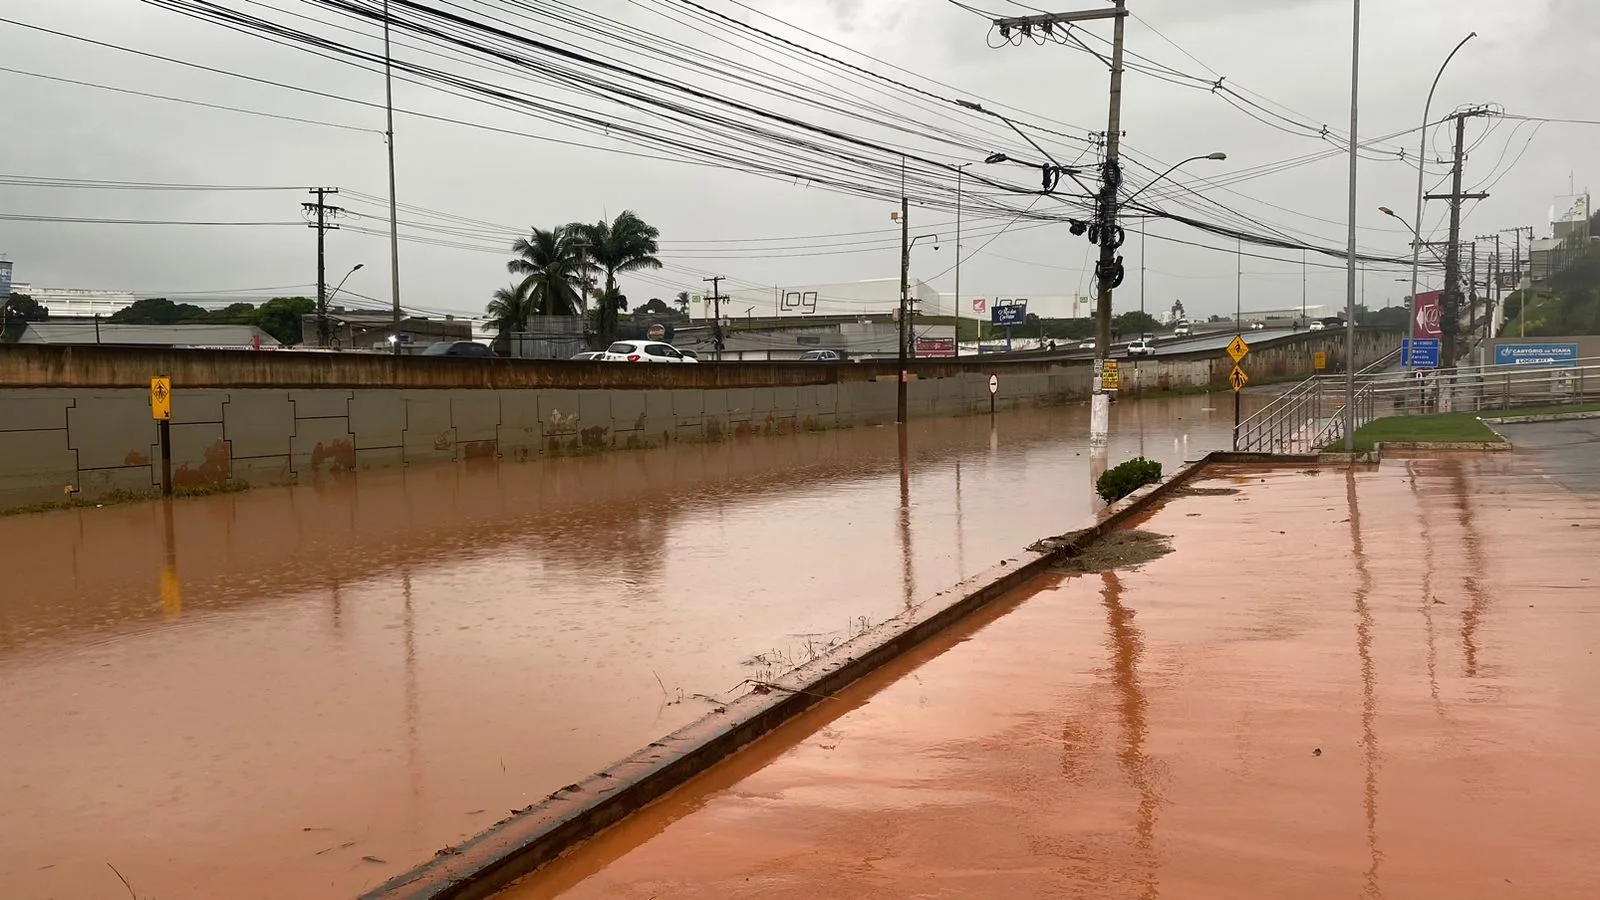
x=1422, y=155
x=346, y=277
x=1418, y=242
x=1218, y=156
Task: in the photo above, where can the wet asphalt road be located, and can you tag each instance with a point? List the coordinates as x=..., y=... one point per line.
x=1564, y=451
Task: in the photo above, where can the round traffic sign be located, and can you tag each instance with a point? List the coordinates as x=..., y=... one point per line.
x=994, y=384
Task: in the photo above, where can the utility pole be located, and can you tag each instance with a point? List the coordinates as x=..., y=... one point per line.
x=323, y=224
x=1452, y=260
x=394, y=214
x=717, y=345
x=905, y=313
x=1516, y=270
x=1108, y=270
x=1494, y=274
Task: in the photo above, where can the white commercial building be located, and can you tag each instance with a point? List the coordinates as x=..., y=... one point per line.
x=75, y=302
x=875, y=297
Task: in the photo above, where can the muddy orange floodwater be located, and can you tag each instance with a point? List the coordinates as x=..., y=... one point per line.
x=299, y=692
x=1339, y=685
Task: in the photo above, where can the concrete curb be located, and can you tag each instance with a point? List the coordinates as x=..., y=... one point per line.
x=1529, y=420
x=1384, y=449
x=533, y=836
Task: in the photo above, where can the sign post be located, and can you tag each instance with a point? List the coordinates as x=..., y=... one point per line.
x=994, y=388
x=1238, y=350
x=161, y=411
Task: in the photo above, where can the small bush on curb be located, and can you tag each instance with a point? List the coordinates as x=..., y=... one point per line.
x=1121, y=480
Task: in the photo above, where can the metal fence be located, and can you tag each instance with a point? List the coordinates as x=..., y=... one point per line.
x=1311, y=415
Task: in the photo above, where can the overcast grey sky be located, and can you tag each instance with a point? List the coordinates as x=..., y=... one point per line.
x=1530, y=59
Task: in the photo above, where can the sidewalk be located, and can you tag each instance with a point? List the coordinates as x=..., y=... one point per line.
x=1378, y=684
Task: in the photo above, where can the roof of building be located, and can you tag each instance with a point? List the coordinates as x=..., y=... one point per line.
x=193, y=335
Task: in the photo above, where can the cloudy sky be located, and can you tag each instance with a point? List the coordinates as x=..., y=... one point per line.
x=495, y=170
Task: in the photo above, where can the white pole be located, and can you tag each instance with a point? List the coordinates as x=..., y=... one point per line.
x=394, y=216
x=1350, y=250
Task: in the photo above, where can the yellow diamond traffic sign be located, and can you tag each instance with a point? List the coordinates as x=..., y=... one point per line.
x=1238, y=349
x=1238, y=379
x=161, y=398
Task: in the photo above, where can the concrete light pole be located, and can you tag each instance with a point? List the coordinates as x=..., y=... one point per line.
x=1422, y=155
x=1350, y=250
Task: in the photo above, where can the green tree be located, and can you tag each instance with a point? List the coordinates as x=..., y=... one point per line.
x=157, y=311
x=549, y=264
x=1134, y=323
x=281, y=317
x=509, y=310
x=682, y=301
x=16, y=313
x=625, y=244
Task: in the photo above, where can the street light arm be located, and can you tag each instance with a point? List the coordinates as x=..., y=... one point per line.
x=343, y=280
x=978, y=107
x=1216, y=156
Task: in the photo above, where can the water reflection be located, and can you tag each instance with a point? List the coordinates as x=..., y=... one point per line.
x=1429, y=563
x=1126, y=643
x=1369, y=685
x=171, y=588
x=1472, y=579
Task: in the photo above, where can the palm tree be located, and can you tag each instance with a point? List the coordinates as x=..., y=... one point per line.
x=509, y=310
x=625, y=244
x=683, y=302
x=549, y=263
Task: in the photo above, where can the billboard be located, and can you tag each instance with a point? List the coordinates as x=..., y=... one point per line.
x=1536, y=355
x=1428, y=321
x=936, y=347
x=5, y=279
x=1013, y=312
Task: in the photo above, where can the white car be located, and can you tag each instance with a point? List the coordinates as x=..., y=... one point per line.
x=646, y=351
x=1142, y=347
x=1086, y=345
x=1317, y=325
x=1183, y=330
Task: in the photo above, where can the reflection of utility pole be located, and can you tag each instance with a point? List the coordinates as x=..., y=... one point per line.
x=717, y=344
x=1452, y=261
x=323, y=213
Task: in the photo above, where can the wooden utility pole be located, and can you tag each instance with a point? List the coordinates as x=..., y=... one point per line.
x=905, y=311
x=717, y=345
x=323, y=224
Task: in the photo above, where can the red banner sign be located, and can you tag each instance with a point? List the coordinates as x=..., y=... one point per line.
x=1428, y=321
x=936, y=347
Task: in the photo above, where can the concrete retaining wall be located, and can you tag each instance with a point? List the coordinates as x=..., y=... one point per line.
x=75, y=422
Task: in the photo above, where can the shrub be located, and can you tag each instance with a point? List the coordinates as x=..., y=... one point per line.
x=1121, y=480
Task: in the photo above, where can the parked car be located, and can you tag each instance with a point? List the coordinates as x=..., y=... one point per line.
x=458, y=348
x=821, y=356
x=588, y=355
x=1316, y=325
x=1183, y=330
x=646, y=351
x=1142, y=347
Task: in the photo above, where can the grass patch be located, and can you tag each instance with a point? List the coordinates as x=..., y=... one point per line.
x=1438, y=428
x=124, y=498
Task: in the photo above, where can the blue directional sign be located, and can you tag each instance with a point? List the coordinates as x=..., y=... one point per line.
x=1009, y=314
x=1421, y=353
x=5, y=280
x=1536, y=355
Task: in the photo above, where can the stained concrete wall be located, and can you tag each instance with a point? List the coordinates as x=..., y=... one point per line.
x=68, y=430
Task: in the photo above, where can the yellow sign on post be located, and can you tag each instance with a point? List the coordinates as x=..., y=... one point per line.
x=1319, y=359
x=1238, y=379
x=161, y=399
x=1110, y=378
x=1238, y=349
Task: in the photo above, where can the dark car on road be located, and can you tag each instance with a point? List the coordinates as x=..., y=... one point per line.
x=459, y=348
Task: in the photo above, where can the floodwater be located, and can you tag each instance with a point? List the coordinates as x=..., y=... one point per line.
x=300, y=692
x=1380, y=683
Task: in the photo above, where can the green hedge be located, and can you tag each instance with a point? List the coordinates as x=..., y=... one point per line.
x=1121, y=480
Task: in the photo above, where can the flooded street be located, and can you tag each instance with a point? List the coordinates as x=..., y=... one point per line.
x=299, y=692
x=1379, y=683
